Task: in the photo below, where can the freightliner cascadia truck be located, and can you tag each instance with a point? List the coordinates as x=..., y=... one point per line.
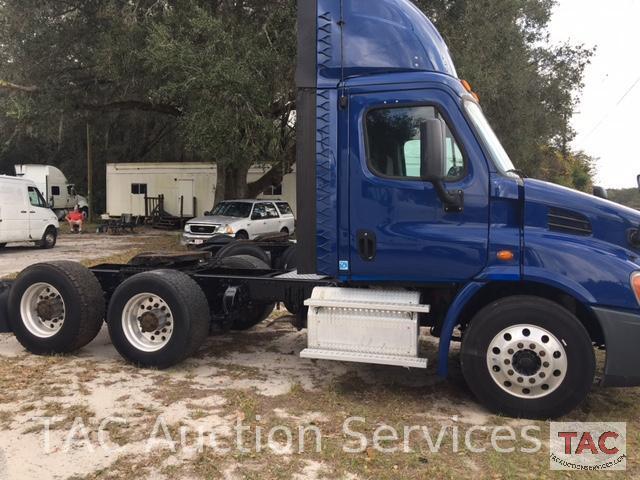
x=411, y=215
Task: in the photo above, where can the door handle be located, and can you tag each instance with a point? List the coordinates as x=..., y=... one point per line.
x=367, y=245
x=23, y=211
x=32, y=211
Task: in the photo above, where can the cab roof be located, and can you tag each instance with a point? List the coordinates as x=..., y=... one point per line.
x=349, y=38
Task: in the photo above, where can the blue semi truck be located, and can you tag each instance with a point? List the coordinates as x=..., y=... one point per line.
x=411, y=215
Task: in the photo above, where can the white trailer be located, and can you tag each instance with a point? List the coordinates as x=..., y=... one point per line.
x=190, y=186
x=58, y=192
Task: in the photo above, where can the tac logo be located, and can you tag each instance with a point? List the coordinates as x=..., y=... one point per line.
x=588, y=446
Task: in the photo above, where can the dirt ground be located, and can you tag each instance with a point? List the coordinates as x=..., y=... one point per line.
x=85, y=248
x=255, y=379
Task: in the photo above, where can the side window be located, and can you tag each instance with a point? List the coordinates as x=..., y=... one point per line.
x=139, y=188
x=35, y=198
x=284, y=208
x=271, y=211
x=393, y=138
x=55, y=191
x=259, y=212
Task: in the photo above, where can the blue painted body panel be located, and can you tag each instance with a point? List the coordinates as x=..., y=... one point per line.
x=359, y=38
x=380, y=36
x=596, y=268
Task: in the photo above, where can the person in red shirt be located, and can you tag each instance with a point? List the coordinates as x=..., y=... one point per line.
x=75, y=219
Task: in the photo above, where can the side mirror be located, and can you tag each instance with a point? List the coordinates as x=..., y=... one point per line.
x=600, y=192
x=638, y=182
x=433, y=163
x=432, y=150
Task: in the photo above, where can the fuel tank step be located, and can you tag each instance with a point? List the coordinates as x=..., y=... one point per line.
x=365, y=325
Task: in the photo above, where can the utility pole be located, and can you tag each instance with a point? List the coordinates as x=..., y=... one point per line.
x=89, y=173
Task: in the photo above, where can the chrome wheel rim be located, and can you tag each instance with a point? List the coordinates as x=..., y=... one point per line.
x=147, y=322
x=527, y=361
x=42, y=310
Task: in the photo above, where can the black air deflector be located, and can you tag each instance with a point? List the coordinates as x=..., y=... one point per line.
x=306, y=84
x=566, y=221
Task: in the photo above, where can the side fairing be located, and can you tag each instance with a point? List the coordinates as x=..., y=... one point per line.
x=339, y=39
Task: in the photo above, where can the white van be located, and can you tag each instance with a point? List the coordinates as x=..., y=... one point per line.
x=24, y=214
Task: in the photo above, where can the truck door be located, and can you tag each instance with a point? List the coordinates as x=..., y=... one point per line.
x=39, y=214
x=14, y=214
x=399, y=227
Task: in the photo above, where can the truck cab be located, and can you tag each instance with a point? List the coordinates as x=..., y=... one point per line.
x=413, y=190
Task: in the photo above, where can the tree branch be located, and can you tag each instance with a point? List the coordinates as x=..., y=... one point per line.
x=136, y=105
x=20, y=88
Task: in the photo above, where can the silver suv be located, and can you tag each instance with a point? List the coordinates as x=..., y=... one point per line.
x=243, y=219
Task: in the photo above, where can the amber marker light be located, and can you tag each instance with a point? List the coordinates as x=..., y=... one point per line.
x=635, y=284
x=468, y=88
x=507, y=256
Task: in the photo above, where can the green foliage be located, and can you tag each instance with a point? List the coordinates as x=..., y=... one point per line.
x=231, y=71
x=626, y=196
x=527, y=88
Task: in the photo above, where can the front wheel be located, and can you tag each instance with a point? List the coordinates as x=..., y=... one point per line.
x=158, y=318
x=528, y=357
x=49, y=238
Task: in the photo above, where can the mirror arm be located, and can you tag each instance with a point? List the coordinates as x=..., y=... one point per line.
x=453, y=201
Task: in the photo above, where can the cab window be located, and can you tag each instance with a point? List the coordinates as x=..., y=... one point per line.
x=393, y=139
x=35, y=198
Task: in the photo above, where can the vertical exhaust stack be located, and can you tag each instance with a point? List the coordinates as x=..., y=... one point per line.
x=306, y=84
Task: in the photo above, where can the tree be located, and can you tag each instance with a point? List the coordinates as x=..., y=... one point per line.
x=528, y=89
x=213, y=80
x=230, y=66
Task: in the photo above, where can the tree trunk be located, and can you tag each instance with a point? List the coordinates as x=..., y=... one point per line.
x=231, y=182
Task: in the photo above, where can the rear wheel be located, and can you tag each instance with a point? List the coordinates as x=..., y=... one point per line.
x=528, y=357
x=56, y=307
x=243, y=248
x=49, y=238
x=159, y=318
x=285, y=230
x=250, y=313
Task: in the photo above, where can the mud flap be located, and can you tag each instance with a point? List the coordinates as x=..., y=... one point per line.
x=5, y=287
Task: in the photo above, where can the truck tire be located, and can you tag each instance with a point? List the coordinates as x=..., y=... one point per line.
x=49, y=238
x=174, y=323
x=528, y=357
x=242, y=235
x=2, y=245
x=56, y=307
x=243, y=248
x=250, y=314
x=288, y=260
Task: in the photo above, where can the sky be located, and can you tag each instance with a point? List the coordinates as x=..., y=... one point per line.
x=607, y=121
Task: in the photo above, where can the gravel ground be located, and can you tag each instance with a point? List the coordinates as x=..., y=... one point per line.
x=82, y=248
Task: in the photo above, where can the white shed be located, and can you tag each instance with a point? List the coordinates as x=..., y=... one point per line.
x=193, y=184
